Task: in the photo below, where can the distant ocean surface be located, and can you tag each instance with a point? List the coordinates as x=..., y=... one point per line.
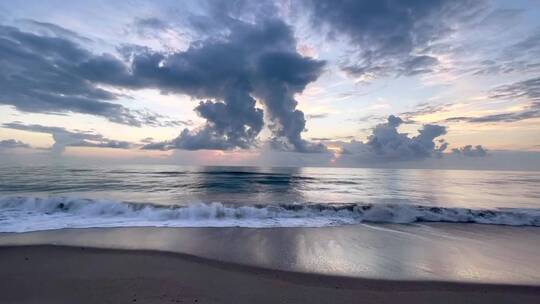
x=51, y=197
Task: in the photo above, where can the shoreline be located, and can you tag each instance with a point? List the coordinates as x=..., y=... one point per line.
x=449, y=253
x=68, y=274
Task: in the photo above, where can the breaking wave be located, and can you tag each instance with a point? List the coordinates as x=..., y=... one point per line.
x=21, y=214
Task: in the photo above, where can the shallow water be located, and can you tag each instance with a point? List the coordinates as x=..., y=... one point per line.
x=51, y=197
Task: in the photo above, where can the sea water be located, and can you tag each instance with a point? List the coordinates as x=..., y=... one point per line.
x=34, y=198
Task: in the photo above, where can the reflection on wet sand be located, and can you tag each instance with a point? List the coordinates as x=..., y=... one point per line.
x=471, y=253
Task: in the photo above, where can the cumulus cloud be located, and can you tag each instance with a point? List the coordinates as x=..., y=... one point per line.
x=390, y=37
x=64, y=138
x=12, y=143
x=386, y=142
x=469, y=151
x=386, y=146
x=253, y=61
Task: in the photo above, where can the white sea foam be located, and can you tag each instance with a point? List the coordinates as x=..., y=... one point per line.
x=21, y=214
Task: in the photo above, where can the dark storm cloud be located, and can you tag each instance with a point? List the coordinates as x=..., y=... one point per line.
x=469, y=151
x=387, y=143
x=253, y=61
x=46, y=74
x=55, y=75
x=281, y=76
x=64, y=138
x=390, y=35
x=12, y=143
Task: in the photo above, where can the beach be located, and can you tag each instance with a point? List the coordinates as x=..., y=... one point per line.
x=436, y=252
x=349, y=264
x=245, y=235
x=275, y=151
x=60, y=274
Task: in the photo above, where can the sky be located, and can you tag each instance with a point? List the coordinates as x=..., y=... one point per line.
x=419, y=84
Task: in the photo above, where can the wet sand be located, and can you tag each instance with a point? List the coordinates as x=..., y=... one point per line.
x=60, y=274
x=439, y=252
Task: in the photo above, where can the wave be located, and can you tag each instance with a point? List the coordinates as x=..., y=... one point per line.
x=22, y=213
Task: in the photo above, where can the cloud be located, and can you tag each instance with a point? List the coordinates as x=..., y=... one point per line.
x=528, y=90
x=64, y=138
x=151, y=23
x=317, y=116
x=47, y=74
x=424, y=108
x=202, y=139
x=469, y=151
x=252, y=61
x=387, y=144
x=12, y=143
x=216, y=17
x=165, y=35
x=337, y=138
x=391, y=37
x=282, y=75
x=532, y=111
x=147, y=140
x=153, y=119
x=50, y=74
x=502, y=43
x=50, y=29
x=517, y=57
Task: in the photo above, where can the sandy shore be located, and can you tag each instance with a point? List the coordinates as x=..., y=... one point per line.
x=57, y=274
x=457, y=253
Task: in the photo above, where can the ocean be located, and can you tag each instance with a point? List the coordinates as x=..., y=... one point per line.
x=449, y=225
x=34, y=198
